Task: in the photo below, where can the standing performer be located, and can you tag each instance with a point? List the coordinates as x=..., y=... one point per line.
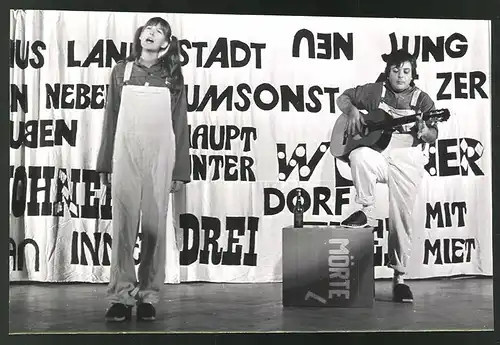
x=400, y=166
x=145, y=144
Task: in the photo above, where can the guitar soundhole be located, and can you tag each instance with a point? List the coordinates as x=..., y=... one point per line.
x=344, y=141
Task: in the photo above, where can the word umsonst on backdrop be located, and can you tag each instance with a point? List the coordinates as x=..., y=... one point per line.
x=261, y=108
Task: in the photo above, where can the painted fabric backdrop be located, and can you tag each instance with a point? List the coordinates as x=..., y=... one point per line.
x=261, y=93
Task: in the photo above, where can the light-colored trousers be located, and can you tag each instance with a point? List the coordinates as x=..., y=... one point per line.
x=402, y=169
x=143, y=163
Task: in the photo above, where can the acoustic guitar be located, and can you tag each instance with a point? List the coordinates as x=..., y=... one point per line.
x=377, y=133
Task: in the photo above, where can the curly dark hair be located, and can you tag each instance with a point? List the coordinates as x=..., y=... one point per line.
x=397, y=58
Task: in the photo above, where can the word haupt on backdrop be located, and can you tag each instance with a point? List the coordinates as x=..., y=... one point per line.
x=261, y=108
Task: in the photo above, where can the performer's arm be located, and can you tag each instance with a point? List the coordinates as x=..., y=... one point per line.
x=105, y=155
x=351, y=101
x=182, y=167
x=429, y=132
x=344, y=103
x=362, y=97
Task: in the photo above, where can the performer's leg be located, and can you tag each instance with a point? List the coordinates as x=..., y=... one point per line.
x=158, y=167
x=367, y=167
x=126, y=196
x=406, y=169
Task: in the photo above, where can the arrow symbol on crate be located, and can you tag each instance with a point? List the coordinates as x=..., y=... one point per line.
x=312, y=295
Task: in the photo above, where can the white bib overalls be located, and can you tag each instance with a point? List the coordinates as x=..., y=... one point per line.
x=401, y=167
x=143, y=162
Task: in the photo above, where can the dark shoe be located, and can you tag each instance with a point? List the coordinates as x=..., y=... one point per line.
x=402, y=294
x=356, y=220
x=119, y=313
x=146, y=312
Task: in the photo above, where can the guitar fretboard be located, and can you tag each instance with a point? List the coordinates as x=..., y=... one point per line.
x=433, y=114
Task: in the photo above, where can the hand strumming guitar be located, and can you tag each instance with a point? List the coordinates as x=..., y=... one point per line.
x=355, y=121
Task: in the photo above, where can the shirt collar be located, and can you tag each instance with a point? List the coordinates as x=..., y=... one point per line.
x=405, y=92
x=138, y=63
x=157, y=67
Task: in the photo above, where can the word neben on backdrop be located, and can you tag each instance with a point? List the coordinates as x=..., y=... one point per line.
x=261, y=107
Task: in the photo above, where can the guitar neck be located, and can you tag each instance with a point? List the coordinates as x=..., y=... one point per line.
x=403, y=120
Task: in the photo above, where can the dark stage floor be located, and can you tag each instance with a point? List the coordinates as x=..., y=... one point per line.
x=449, y=304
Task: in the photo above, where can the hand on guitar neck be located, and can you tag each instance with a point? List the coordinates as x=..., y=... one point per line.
x=375, y=129
x=424, y=132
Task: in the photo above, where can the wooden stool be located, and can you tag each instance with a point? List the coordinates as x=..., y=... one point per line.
x=328, y=267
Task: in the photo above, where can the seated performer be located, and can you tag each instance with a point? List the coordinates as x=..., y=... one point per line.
x=400, y=166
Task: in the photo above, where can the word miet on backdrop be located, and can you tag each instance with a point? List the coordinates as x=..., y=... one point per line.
x=442, y=251
x=441, y=215
x=34, y=134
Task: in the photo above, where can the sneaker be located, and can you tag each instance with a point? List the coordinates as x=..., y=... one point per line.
x=402, y=294
x=146, y=312
x=119, y=313
x=356, y=220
